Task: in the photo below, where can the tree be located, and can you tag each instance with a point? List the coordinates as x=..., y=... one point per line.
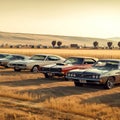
x=119, y=44
x=109, y=45
x=53, y=43
x=95, y=44
x=59, y=43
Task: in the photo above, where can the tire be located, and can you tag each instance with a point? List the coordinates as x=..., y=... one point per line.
x=110, y=83
x=66, y=79
x=78, y=84
x=35, y=69
x=17, y=70
x=47, y=75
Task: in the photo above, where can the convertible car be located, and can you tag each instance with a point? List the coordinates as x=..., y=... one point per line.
x=105, y=72
x=61, y=69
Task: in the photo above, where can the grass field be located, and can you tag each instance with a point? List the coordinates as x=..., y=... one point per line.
x=29, y=96
x=66, y=52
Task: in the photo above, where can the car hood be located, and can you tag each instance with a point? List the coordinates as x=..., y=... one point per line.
x=58, y=65
x=92, y=71
x=25, y=61
x=3, y=60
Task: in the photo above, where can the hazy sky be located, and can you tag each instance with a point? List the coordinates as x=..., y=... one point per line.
x=87, y=18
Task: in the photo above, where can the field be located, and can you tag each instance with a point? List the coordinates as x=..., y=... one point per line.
x=29, y=96
x=67, y=52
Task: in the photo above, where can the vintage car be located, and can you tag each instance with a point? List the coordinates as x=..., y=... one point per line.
x=35, y=62
x=105, y=72
x=3, y=55
x=12, y=57
x=60, y=69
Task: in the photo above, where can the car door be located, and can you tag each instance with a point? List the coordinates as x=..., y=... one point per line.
x=52, y=60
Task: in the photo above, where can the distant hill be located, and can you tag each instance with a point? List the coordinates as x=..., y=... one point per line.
x=35, y=39
x=115, y=39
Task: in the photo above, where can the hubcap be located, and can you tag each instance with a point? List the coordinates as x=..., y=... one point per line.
x=35, y=69
x=110, y=84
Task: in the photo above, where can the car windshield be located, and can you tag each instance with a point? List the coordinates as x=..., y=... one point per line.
x=107, y=64
x=9, y=57
x=74, y=61
x=3, y=55
x=38, y=57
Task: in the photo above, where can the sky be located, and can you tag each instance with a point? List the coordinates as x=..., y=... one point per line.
x=83, y=18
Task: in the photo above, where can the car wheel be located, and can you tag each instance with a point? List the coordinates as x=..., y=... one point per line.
x=35, y=69
x=17, y=69
x=78, y=84
x=47, y=75
x=109, y=83
x=66, y=79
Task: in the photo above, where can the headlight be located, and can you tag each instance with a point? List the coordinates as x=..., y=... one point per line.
x=95, y=76
x=68, y=74
x=73, y=75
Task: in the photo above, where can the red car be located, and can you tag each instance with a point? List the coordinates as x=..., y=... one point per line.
x=61, y=69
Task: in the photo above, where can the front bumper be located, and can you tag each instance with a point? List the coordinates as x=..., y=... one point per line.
x=88, y=81
x=3, y=63
x=53, y=73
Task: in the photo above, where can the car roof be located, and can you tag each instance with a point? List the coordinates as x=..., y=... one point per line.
x=19, y=55
x=48, y=55
x=117, y=60
x=82, y=57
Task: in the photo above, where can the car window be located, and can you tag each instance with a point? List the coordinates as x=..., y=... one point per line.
x=53, y=58
x=107, y=64
x=89, y=61
x=19, y=57
x=38, y=57
x=9, y=57
x=1, y=56
x=74, y=61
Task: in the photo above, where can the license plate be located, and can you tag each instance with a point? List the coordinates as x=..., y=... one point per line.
x=82, y=81
x=50, y=74
x=16, y=68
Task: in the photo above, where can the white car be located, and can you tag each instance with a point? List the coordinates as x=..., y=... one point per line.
x=35, y=62
x=12, y=58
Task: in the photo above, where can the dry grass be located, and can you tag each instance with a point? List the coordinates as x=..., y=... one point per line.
x=28, y=96
x=67, y=52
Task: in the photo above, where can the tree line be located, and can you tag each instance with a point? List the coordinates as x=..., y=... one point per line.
x=58, y=44
x=109, y=44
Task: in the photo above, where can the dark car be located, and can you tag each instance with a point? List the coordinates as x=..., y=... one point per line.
x=12, y=57
x=105, y=72
x=60, y=69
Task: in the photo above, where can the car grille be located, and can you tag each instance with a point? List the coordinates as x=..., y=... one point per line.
x=55, y=69
x=51, y=69
x=78, y=75
x=45, y=69
x=86, y=76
